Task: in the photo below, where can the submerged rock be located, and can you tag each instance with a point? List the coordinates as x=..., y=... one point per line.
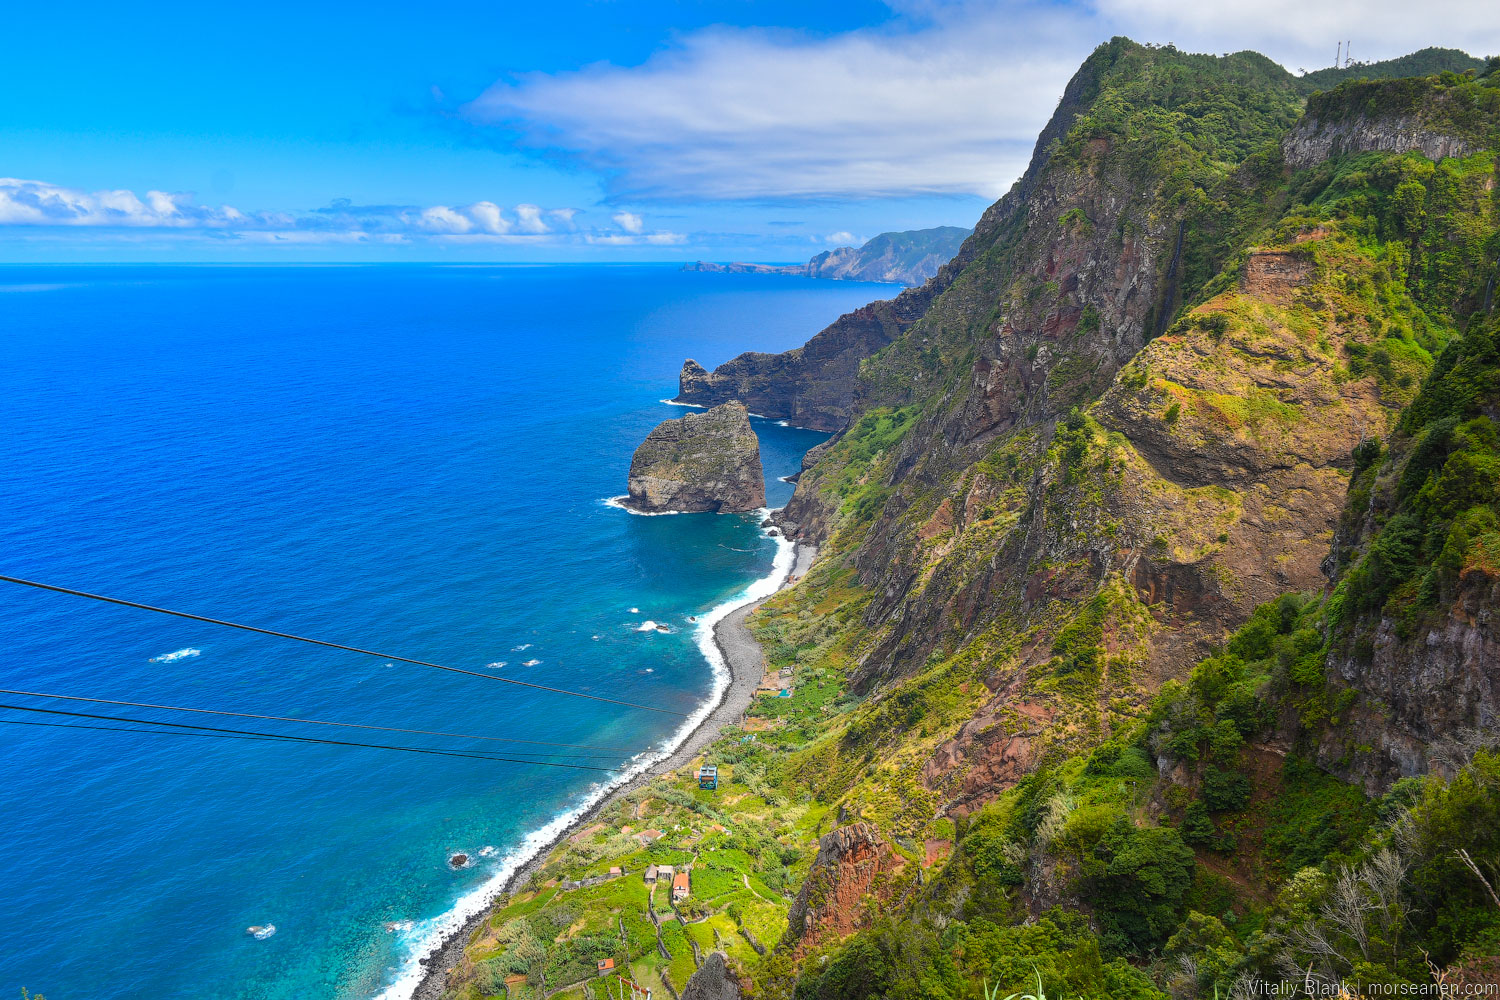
x=706, y=461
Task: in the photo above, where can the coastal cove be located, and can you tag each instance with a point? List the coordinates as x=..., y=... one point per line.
x=412, y=459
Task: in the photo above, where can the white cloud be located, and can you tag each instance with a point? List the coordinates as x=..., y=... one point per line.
x=945, y=98
x=658, y=238
x=487, y=216
x=1299, y=34
x=38, y=203
x=442, y=219
x=841, y=238
x=43, y=204
x=529, y=219
x=751, y=114
x=121, y=215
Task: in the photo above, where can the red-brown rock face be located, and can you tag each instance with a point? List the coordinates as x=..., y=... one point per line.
x=851, y=869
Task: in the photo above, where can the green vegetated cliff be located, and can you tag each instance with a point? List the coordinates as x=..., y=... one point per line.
x=1151, y=646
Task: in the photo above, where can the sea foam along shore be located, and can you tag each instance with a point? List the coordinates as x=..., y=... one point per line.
x=435, y=945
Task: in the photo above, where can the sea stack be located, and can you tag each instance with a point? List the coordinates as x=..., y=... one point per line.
x=706, y=461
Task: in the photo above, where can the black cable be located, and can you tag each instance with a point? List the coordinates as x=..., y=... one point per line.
x=267, y=738
x=306, y=739
x=125, y=729
x=331, y=645
x=313, y=722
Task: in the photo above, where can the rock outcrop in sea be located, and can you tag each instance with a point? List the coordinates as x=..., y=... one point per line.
x=706, y=461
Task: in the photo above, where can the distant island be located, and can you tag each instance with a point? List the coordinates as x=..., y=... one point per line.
x=908, y=258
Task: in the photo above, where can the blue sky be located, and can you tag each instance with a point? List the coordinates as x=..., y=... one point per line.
x=573, y=129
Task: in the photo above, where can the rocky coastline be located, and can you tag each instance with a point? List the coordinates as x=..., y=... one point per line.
x=745, y=662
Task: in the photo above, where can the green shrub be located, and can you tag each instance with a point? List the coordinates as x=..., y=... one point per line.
x=1225, y=791
x=1136, y=877
x=1197, y=826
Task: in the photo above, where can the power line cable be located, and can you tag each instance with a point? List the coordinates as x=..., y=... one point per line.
x=306, y=739
x=313, y=722
x=125, y=729
x=267, y=738
x=332, y=645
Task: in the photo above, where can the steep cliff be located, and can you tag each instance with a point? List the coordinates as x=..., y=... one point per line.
x=815, y=385
x=1207, y=469
x=1414, y=620
x=706, y=461
x=1151, y=649
x=1428, y=115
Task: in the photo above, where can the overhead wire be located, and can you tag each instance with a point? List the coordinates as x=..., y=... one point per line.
x=333, y=645
x=127, y=729
x=248, y=737
x=313, y=722
x=303, y=739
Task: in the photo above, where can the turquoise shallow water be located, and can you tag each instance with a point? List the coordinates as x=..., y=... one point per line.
x=407, y=458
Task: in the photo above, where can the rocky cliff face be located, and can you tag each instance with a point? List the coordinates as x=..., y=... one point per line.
x=1414, y=619
x=1418, y=692
x=702, y=462
x=1417, y=115
x=1194, y=478
x=1084, y=265
x=816, y=385
x=813, y=385
x=852, y=871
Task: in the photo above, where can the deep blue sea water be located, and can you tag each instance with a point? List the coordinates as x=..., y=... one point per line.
x=410, y=459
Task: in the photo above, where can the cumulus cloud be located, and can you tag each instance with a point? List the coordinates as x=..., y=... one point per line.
x=442, y=219
x=841, y=238
x=629, y=221
x=38, y=203
x=529, y=219
x=26, y=203
x=944, y=98
x=488, y=217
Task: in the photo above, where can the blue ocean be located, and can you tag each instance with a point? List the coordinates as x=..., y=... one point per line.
x=410, y=459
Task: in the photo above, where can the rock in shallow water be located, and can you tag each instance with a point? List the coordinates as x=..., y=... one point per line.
x=706, y=461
